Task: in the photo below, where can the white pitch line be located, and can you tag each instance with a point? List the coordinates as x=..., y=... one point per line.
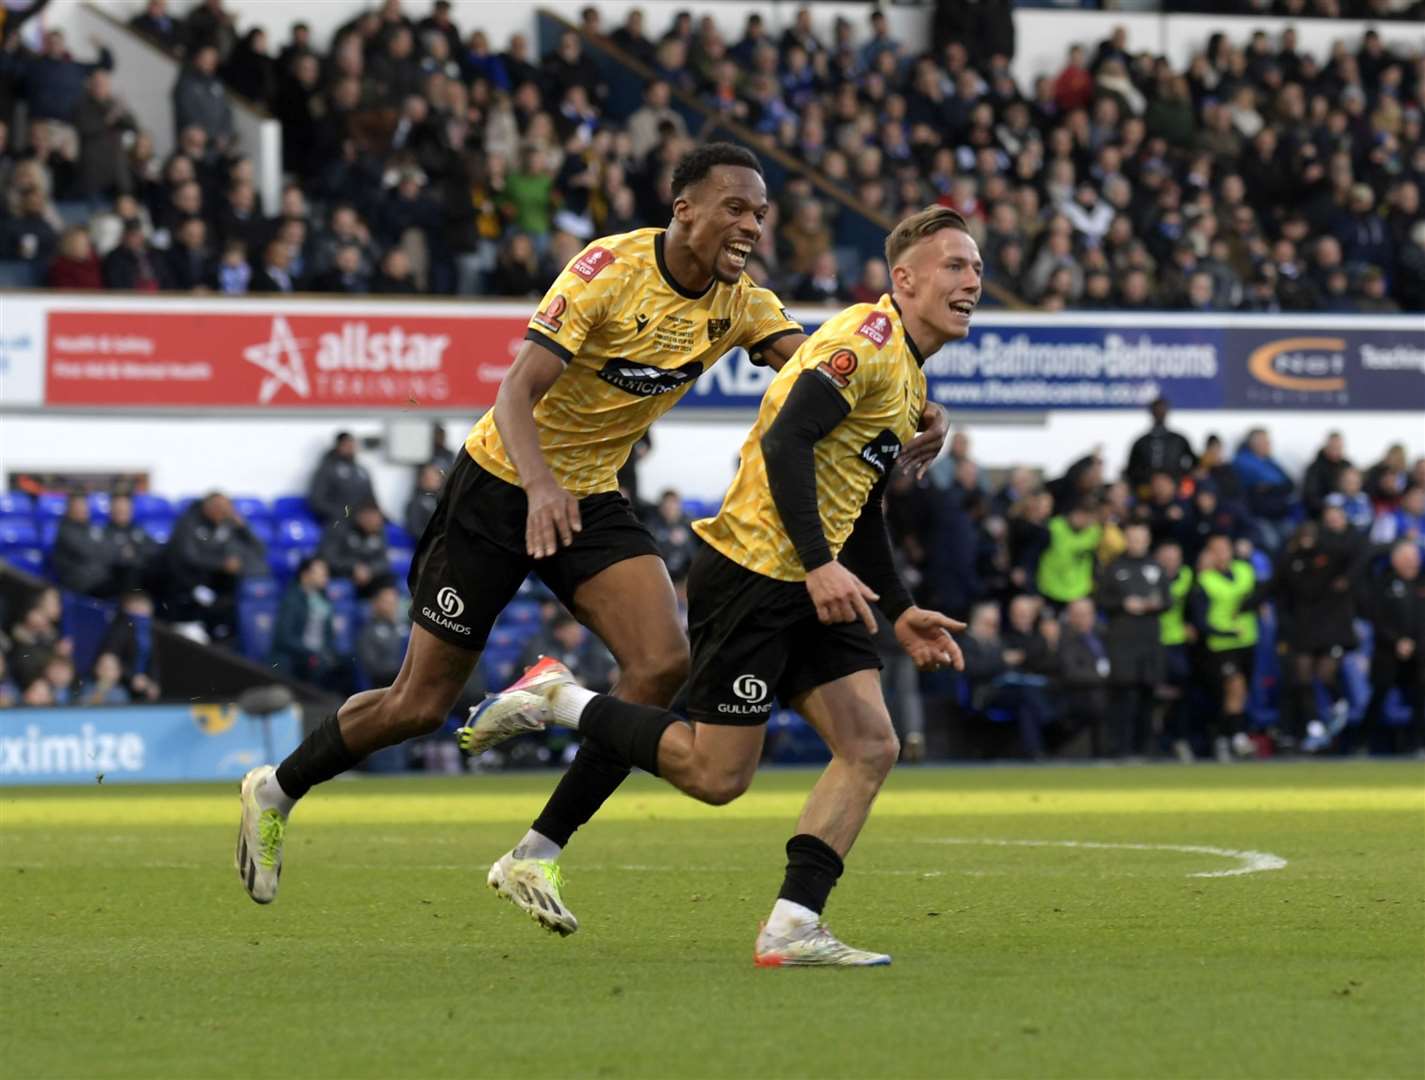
x=1252, y=861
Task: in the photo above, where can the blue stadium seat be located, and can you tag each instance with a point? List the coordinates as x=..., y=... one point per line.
x=401, y=563
x=30, y=560
x=49, y=529
x=257, y=621
x=251, y=508
x=50, y=504
x=521, y=613
x=345, y=617
x=151, y=506
x=262, y=529
x=18, y=532
x=283, y=562
x=19, y=274
x=396, y=536
x=16, y=504
x=341, y=591
x=99, y=505
x=180, y=505
x=258, y=588
x=160, y=528
x=296, y=532
x=292, y=506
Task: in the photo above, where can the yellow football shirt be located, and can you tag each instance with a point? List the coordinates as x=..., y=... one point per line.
x=865, y=354
x=633, y=342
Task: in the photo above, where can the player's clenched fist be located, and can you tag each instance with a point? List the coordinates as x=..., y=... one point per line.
x=840, y=596
x=553, y=519
x=925, y=636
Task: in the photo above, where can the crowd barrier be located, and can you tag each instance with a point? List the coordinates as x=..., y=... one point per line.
x=140, y=743
x=319, y=355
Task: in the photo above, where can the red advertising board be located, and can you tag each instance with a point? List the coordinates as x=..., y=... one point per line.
x=277, y=360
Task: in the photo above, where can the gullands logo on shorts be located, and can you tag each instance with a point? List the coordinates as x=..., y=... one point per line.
x=751, y=690
x=451, y=608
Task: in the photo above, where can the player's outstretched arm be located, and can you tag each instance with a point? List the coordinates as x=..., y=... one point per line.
x=553, y=512
x=925, y=636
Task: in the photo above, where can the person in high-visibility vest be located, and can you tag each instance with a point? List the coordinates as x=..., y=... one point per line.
x=1222, y=606
x=1176, y=635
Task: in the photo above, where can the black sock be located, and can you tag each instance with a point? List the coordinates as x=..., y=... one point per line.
x=1236, y=723
x=321, y=756
x=812, y=870
x=593, y=776
x=630, y=732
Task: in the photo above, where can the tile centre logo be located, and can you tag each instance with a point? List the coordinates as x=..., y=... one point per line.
x=1304, y=364
x=281, y=358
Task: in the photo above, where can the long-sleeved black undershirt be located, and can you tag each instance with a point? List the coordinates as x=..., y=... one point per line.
x=812, y=410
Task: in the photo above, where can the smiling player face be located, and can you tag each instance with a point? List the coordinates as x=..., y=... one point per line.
x=939, y=282
x=723, y=215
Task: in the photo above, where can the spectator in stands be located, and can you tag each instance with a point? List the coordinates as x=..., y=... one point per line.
x=209, y=24
x=9, y=691
x=1131, y=594
x=80, y=558
x=210, y=551
x=131, y=265
x=199, y=99
x=187, y=265
x=1066, y=567
x=76, y=266
x=341, y=483
x=273, y=276
x=565, y=639
x=424, y=499
x=1222, y=608
x=381, y=646
x=156, y=23
x=106, y=685
x=233, y=275
x=102, y=122
x=250, y=72
x=132, y=551
x=1084, y=673
x=1354, y=502
x=130, y=639
x=1159, y=450
x=645, y=125
x=672, y=530
x=1323, y=475
x=1313, y=589
x=37, y=636
x=1405, y=522
x=1267, y=488
x=59, y=676
x=1388, y=478
x=53, y=82
x=1396, y=608
x=441, y=455
x=303, y=640
x=394, y=278
x=355, y=548
x=997, y=680
x=345, y=275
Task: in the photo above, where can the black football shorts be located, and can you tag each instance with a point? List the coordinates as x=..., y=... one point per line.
x=757, y=640
x=471, y=559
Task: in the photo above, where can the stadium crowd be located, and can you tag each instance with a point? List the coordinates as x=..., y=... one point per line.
x=424, y=159
x=1119, y=617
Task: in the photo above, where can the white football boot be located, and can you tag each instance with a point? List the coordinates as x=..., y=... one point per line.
x=811, y=946
x=259, y=845
x=535, y=886
x=518, y=709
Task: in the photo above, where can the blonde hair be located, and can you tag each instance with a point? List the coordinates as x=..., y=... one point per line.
x=918, y=226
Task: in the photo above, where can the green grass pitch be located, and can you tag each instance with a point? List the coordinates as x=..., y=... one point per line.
x=130, y=949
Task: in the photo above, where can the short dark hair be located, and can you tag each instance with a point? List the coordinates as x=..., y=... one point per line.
x=918, y=226
x=695, y=165
x=307, y=563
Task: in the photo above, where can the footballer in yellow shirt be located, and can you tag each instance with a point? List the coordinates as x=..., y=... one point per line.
x=777, y=601
x=620, y=337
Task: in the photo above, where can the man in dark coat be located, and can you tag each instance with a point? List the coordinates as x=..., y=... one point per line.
x=1397, y=613
x=80, y=559
x=1132, y=593
x=340, y=484
x=355, y=548
x=210, y=551
x=1159, y=450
